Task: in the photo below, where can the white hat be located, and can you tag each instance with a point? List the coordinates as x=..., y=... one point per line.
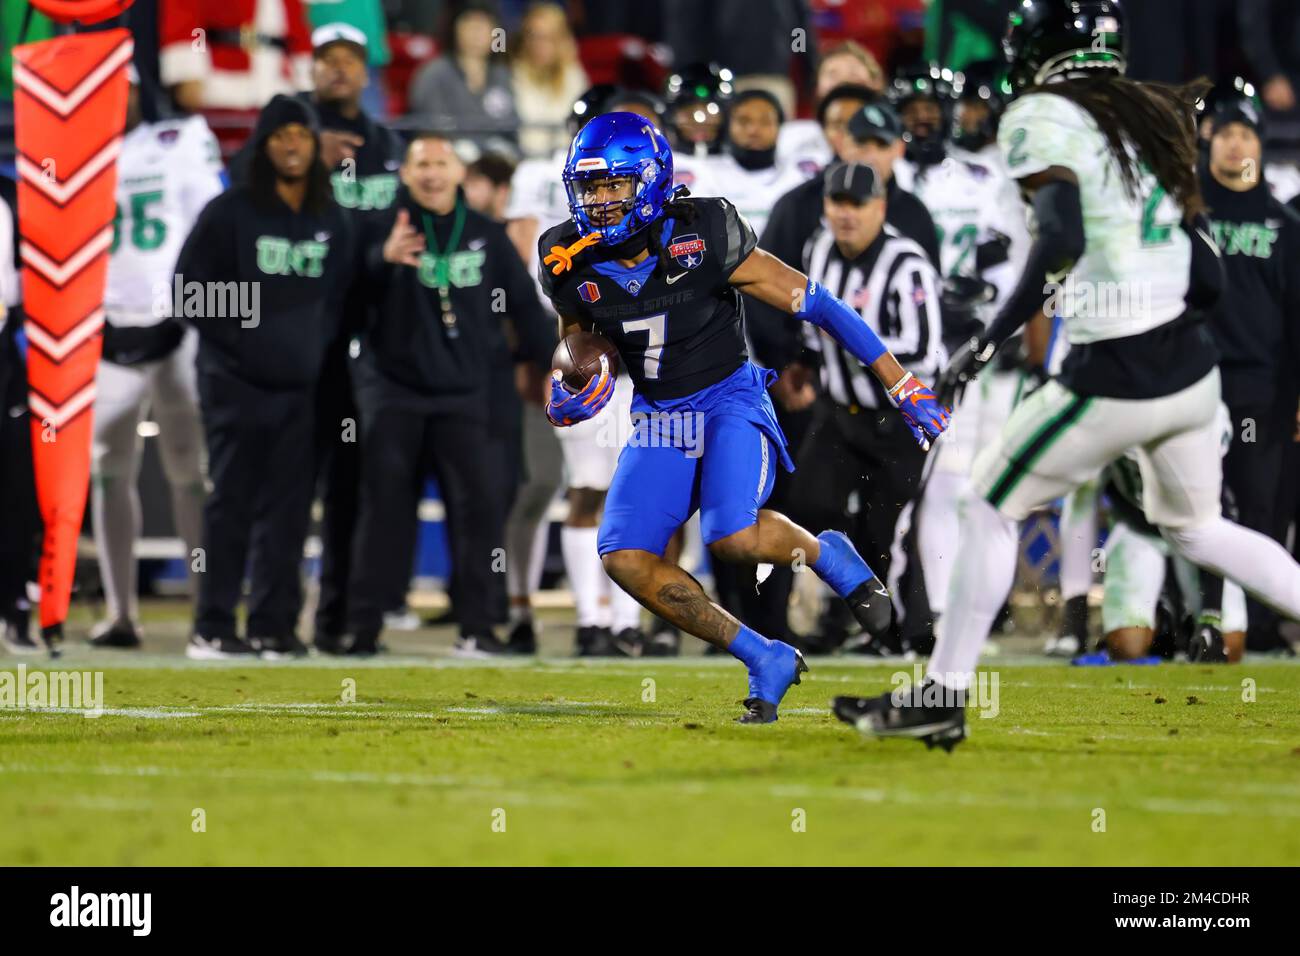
x=329, y=33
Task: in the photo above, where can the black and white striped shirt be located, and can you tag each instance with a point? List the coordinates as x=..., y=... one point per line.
x=895, y=289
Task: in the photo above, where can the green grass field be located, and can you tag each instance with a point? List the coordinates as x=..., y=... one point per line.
x=555, y=761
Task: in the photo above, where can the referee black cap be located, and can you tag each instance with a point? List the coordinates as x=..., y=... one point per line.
x=856, y=181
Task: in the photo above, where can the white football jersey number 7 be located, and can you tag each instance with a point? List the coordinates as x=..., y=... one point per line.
x=654, y=326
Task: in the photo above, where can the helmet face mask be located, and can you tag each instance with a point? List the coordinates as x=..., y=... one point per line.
x=619, y=176
x=604, y=200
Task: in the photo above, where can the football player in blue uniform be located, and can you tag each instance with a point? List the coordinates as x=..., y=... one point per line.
x=660, y=275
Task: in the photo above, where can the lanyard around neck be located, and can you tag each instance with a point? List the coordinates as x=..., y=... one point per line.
x=457, y=227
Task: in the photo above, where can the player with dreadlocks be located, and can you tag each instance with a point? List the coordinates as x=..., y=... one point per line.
x=660, y=274
x=1109, y=166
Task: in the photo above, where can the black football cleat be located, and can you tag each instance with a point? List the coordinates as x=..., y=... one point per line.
x=630, y=642
x=122, y=635
x=331, y=645
x=871, y=607
x=595, y=642
x=281, y=647
x=226, y=647
x=479, y=646
x=1206, y=645
x=522, y=638
x=365, y=644
x=780, y=668
x=53, y=638
x=757, y=712
x=666, y=642
x=16, y=635
x=910, y=713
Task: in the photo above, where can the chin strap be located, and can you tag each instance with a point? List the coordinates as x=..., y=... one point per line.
x=561, y=258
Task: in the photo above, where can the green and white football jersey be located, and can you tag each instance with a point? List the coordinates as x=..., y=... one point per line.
x=1134, y=273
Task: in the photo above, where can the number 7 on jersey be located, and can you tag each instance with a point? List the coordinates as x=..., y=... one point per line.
x=654, y=326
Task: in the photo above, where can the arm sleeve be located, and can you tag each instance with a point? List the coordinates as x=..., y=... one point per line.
x=1059, y=244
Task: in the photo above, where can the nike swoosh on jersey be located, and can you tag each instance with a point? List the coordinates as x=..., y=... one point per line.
x=672, y=279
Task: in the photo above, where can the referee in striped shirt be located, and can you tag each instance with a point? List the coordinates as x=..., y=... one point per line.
x=859, y=465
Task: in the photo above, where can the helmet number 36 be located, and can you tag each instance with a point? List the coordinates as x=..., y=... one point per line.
x=654, y=326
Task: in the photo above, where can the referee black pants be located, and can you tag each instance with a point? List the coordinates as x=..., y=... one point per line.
x=402, y=446
x=338, y=472
x=855, y=473
x=256, y=517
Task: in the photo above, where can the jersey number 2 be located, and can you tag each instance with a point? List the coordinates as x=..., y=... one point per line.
x=1155, y=233
x=654, y=327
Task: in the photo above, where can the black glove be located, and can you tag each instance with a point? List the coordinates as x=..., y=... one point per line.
x=967, y=362
x=1035, y=377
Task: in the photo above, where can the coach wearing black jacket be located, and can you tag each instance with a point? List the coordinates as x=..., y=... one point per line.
x=1256, y=325
x=443, y=280
x=259, y=277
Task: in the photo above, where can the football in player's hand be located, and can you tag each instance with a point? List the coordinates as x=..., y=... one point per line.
x=577, y=358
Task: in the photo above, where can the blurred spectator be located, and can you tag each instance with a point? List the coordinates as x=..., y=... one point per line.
x=467, y=91
x=1270, y=35
x=547, y=79
x=487, y=185
x=368, y=17
x=756, y=38
x=282, y=248
x=801, y=142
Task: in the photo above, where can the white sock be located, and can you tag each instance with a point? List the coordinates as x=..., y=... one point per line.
x=980, y=583
x=1078, y=538
x=937, y=534
x=1255, y=561
x=625, y=610
x=587, y=577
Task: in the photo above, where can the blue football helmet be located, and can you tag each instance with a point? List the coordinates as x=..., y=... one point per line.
x=612, y=146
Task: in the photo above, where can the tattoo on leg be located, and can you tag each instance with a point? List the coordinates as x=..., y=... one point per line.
x=691, y=610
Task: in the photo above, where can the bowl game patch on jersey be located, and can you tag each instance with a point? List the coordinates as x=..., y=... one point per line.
x=688, y=251
x=589, y=291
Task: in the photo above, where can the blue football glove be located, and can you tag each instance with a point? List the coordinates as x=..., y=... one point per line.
x=924, y=414
x=568, y=408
